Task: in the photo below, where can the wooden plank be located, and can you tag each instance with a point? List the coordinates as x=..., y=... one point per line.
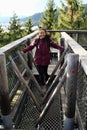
x=77, y=49
x=30, y=72
x=70, y=31
x=56, y=68
x=84, y=63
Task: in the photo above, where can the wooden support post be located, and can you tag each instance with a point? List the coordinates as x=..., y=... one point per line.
x=62, y=43
x=71, y=83
x=77, y=37
x=4, y=93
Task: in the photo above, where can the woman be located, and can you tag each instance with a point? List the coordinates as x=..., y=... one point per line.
x=42, y=54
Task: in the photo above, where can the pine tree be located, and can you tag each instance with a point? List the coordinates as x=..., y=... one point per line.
x=1, y=35
x=71, y=15
x=50, y=16
x=28, y=26
x=4, y=37
x=14, y=28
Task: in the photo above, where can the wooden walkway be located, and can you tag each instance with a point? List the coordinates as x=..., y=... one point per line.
x=50, y=69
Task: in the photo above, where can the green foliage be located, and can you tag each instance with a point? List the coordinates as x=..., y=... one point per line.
x=72, y=15
x=28, y=26
x=50, y=16
x=1, y=29
x=1, y=34
x=4, y=37
x=49, y=19
x=15, y=31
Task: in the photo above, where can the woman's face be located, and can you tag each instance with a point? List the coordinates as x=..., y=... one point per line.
x=42, y=34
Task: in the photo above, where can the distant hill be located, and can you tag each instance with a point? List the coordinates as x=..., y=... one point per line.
x=34, y=18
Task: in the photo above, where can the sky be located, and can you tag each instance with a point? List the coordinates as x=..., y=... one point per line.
x=25, y=7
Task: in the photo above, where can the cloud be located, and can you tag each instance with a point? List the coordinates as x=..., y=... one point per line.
x=24, y=7
x=20, y=7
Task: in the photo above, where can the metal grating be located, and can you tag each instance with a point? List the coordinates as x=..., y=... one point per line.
x=53, y=119
x=28, y=116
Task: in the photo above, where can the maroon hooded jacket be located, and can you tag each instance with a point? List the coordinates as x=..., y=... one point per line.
x=42, y=54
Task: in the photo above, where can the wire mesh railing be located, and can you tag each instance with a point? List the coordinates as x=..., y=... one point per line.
x=81, y=107
x=15, y=87
x=82, y=97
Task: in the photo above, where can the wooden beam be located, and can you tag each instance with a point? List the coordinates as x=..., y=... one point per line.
x=16, y=43
x=77, y=49
x=19, y=75
x=54, y=84
x=30, y=72
x=55, y=69
x=45, y=109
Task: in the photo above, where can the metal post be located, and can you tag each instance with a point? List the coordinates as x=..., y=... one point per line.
x=77, y=37
x=4, y=93
x=71, y=83
x=62, y=42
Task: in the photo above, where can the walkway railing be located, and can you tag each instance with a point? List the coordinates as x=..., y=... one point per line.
x=15, y=92
x=81, y=106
